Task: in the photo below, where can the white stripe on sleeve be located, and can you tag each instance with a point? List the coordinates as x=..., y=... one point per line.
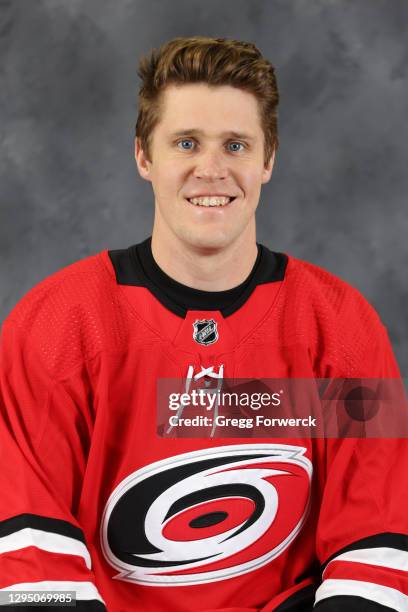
x=45, y=540
x=367, y=590
x=383, y=557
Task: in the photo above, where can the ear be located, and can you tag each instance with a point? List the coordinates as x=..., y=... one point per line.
x=143, y=164
x=267, y=171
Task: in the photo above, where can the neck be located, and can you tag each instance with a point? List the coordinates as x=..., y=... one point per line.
x=206, y=269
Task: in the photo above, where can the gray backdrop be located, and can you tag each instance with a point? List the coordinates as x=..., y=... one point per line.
x=338, y=196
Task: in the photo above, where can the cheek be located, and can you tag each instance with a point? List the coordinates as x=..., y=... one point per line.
x=169, y=179
x=252, y=183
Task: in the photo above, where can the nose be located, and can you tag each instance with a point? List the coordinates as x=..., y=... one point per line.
x=211, y=165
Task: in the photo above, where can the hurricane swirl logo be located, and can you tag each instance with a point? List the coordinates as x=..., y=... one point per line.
x=206, y=515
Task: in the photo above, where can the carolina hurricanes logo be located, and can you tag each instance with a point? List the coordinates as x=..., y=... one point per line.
x=207, y=515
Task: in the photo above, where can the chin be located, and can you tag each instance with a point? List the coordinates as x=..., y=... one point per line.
x=213, y=241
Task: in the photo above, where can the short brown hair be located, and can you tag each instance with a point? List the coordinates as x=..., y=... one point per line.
x=215, y=61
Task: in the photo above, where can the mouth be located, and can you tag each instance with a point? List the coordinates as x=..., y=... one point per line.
x=211, y=201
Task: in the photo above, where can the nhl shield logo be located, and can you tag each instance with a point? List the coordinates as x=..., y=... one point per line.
x=205, y=331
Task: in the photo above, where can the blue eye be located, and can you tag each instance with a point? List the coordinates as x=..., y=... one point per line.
x=235, y=146
x=186, y=144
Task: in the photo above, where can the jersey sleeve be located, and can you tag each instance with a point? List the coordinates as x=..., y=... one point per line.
x=362, y=535
x=42, y=545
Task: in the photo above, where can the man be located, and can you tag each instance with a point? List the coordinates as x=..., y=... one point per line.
x=99, y=498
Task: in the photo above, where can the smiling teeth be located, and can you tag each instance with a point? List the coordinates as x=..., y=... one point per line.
x=210, y=201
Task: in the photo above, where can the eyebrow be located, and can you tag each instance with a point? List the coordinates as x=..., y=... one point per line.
x=196, y=132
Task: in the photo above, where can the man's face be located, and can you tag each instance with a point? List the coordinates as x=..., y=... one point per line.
x=207, y=166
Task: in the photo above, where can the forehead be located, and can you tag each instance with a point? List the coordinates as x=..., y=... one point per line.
x=218, y=108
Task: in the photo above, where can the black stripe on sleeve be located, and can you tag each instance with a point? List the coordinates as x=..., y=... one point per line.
x=340, y=603
x=380, y=540
x=42, y=523
x=301, y=601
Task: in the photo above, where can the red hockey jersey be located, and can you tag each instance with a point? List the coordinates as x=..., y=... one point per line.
x=94, y=500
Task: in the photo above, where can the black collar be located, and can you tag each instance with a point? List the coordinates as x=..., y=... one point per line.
x=137, y=266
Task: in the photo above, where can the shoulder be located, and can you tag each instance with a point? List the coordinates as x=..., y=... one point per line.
x=66, y=289
x=341, y=328
x=327, y=294
x=70, y=315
